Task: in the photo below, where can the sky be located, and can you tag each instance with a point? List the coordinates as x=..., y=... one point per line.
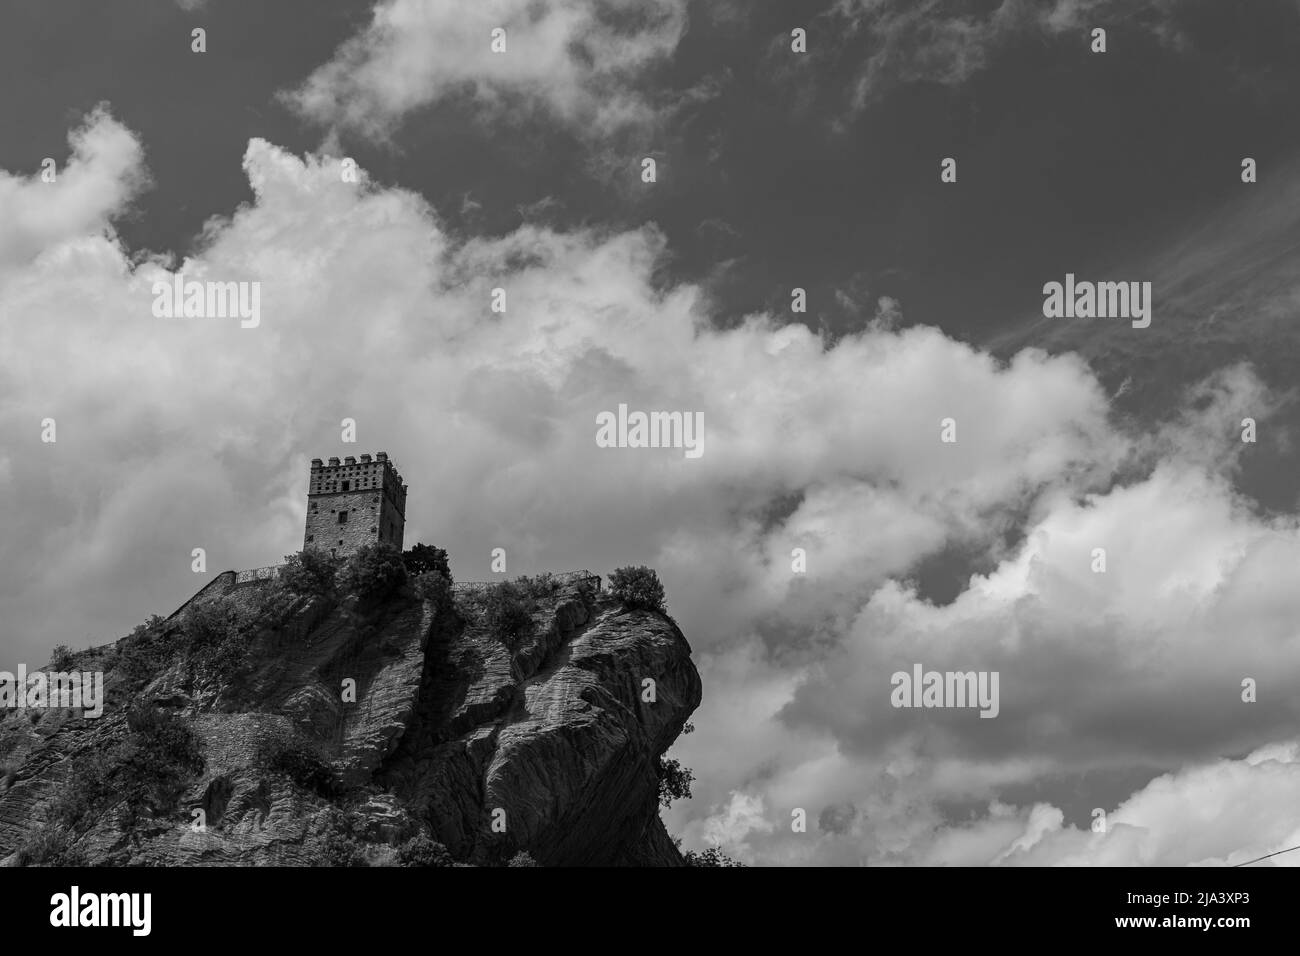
x=1121, y=691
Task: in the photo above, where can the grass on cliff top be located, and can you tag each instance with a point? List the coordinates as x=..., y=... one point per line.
x=508, y=608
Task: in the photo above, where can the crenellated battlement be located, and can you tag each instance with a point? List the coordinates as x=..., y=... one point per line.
x=354, y=502
x=351, y=474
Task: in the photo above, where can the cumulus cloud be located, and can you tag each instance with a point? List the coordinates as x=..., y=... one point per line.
x=93, y=185
x=580, y=61
x=182, y=433
x=1217, y=814
x=743, y=814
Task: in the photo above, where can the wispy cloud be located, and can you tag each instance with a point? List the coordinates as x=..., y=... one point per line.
x=582, y=63
x=948, y=41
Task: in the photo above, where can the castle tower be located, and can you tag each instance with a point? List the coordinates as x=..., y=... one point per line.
x=354, y=503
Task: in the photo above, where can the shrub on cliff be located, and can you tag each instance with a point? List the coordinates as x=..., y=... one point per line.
x=139, y=656
x=144, y=773
x=421, y=850
x=158, y=757
x=207, y=623
x=374, y=572
x=423, y=558
x=434, y=587
x=339, y=842
x=46, y=846
x=539, y=586
x=300, y=759
x=214, y=638
x=509, y=609
x=522, y=858
x=710, y=857
x=638, y=587
x=310, y=573
x=61, y=658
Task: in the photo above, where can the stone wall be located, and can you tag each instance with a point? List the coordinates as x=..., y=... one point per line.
x=222, y=583
x=254, y=575
x=354, y=503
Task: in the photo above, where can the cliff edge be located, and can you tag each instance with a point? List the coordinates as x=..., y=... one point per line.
x=263, y=727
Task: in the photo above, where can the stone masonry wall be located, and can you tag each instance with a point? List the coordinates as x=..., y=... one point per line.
x=354, y=503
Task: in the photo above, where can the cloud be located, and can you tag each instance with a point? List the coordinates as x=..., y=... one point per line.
x=581, y=62
x=94, y=185
x=743, y=815
x=837, y=818
x=1217, y=814
x=944, y=42
x=185, y=433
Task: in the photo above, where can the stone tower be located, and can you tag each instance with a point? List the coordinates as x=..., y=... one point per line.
x=354, y=503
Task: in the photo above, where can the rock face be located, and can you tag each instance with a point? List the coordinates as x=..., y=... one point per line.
x=551, y=746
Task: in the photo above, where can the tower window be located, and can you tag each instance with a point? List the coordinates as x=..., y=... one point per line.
x=347, y=486
x=343, y=517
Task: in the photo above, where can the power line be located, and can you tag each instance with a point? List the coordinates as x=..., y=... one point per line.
x=1266, y=856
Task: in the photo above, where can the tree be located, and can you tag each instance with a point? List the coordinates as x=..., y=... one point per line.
x=310, y=573
x=423, y=558
x=674, y=782
x=434, y=587
x=638, y=587
x=373, y=573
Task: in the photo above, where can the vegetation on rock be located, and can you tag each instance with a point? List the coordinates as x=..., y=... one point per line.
x=509, y=609
x=638, y=588
x=674, y=782
x=373, y=574
x=423, y=558
x=421, y=850
x=299, y=758
x=264, y=658
x=141, y=777
x=310, y=573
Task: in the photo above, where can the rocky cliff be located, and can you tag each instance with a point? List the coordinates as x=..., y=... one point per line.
x=322, y=722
